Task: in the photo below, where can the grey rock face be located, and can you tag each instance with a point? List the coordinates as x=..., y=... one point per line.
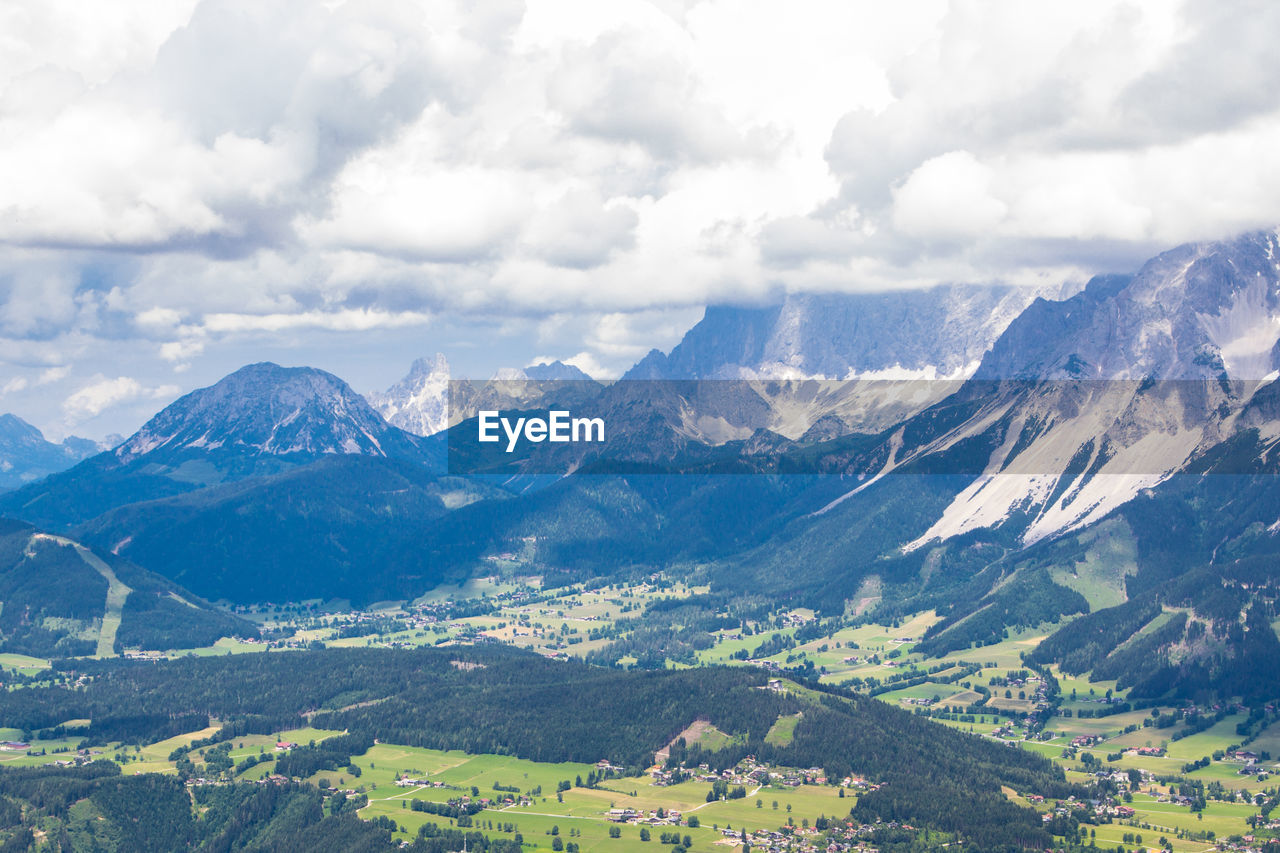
x=418, y=403
x=1198, y=311
x=939, y=332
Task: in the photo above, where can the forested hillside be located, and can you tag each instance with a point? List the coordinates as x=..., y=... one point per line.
x=500, y=700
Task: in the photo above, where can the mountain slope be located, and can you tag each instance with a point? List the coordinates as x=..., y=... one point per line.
x=261, y=420
x=264, y=410
x=62, y=599
x=354, y=527
x=26, y=456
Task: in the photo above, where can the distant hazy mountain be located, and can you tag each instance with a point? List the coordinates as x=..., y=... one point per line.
x=419, y=403
x=556, y=370
x=928, y=335
x=25, y=454
x=939, y=332
x=263, y=419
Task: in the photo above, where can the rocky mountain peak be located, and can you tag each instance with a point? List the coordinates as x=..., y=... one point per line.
x=1201, y=310
x=418, y=403
x=265, y=409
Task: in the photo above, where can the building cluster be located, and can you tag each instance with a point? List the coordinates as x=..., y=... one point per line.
x=749, y=772
x=641, y=818
x=82, y=756
x=1249, y=844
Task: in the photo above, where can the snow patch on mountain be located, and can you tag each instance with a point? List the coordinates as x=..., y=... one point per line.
x=1123, y=385
x=1246, y=330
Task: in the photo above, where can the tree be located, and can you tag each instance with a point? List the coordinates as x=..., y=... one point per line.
x=644, y=833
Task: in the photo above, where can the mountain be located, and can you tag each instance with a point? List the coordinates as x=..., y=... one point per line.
x=260, y=420
x=273, y=484
x=1113, y=455
x=854, y=350
x=557, y=371
x=928, y=334
x=981, y=501
x=1115, y=446
x=354, y=527
x=62, y=599
x=424, y=403
x=418, y=403
x=1121, y=385
x=26, y=456
x=264, y=410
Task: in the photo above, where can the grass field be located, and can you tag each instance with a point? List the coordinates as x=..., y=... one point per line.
x=582, y=809
x=24, y=664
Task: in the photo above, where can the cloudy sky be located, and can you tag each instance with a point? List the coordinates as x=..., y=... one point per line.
x=189, y=186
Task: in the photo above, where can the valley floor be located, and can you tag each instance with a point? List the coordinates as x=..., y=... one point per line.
x=1169, y=781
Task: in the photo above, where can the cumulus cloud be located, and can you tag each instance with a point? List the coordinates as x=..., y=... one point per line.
x=348, y=320
x=189, y=175
x=581, y=230
x=103, y=393
x=53, y=374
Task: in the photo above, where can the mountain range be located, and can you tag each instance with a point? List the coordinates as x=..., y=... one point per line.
x=1103, y=457
x=26, y=456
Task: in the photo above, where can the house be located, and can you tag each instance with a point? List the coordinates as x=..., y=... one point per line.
x=285, y=744
x=14, y=745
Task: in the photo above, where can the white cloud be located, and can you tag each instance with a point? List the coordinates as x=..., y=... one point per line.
x=53, y=374
x=581, y=230
x=191, y=175
x=103, y=393
x=347, y=320
x=948, y=196
x=587, y=363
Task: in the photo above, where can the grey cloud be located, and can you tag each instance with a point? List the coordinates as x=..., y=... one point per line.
x=580, y=233
x=795, y=240
x=624, y=88
x=1226, y=73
